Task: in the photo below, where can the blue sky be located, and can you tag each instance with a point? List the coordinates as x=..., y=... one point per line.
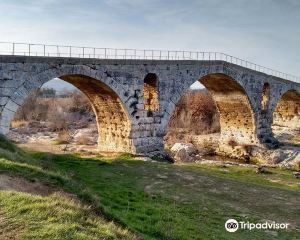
x=266, y=32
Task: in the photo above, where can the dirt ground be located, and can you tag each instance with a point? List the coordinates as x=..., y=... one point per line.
x=48, y=146
x=12, y=183
x=9, y=229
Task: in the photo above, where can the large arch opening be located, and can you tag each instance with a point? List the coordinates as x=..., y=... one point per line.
x=228, y=117
x=236, y=114
x=195, y=116
x=96, y=100
x=286, y=118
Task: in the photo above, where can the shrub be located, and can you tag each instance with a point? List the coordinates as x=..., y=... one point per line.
x=197, y=113
x=84, y=140
x=64, y=137
x=73, y=109
x=18, y=123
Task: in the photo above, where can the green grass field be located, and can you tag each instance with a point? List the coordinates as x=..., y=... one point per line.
x=130, y=199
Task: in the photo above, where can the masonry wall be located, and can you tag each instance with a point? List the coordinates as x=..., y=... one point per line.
x=287, y=112
x=116, y=91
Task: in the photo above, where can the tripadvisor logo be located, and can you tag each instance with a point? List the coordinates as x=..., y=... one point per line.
x=233, y=225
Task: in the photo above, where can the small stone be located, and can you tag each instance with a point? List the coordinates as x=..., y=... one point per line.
x=262, y=169
x=296, y=174
x=182, y=156
x=190, y=148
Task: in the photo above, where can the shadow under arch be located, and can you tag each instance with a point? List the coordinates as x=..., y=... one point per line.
x=287, y=110
x=237, y=123
x=113, y=121
x=236, y=114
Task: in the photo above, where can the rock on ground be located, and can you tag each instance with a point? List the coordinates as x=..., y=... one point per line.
x=184, y=152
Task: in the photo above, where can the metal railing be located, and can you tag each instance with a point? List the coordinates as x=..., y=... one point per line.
x=28, y=49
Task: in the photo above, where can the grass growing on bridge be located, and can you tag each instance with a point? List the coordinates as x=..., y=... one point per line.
x=155, y=200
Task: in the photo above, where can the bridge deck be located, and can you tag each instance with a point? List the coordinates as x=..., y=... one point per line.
x=67, y=52
x=97, y=61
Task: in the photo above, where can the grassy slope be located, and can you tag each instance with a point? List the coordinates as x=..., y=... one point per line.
x=162, y=201
x=28, y=216
x=55, y=217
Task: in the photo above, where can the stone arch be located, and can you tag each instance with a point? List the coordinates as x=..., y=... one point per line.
x=265, y=98
x=287, y=111
x=237, y=120
x=113, y=120
x=150, y=92
x=236, y=113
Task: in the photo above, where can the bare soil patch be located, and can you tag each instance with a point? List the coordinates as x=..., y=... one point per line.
x=13, y=183
x=18, y=184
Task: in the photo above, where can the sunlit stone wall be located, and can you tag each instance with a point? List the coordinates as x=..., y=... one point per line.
x=236, y=117
x=112, y=120
x=133, y=115
x=287, y=112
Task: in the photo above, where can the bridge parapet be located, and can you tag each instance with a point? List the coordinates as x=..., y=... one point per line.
x=46, y=50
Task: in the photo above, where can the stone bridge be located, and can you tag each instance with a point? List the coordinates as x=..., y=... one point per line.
x=133, y=100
